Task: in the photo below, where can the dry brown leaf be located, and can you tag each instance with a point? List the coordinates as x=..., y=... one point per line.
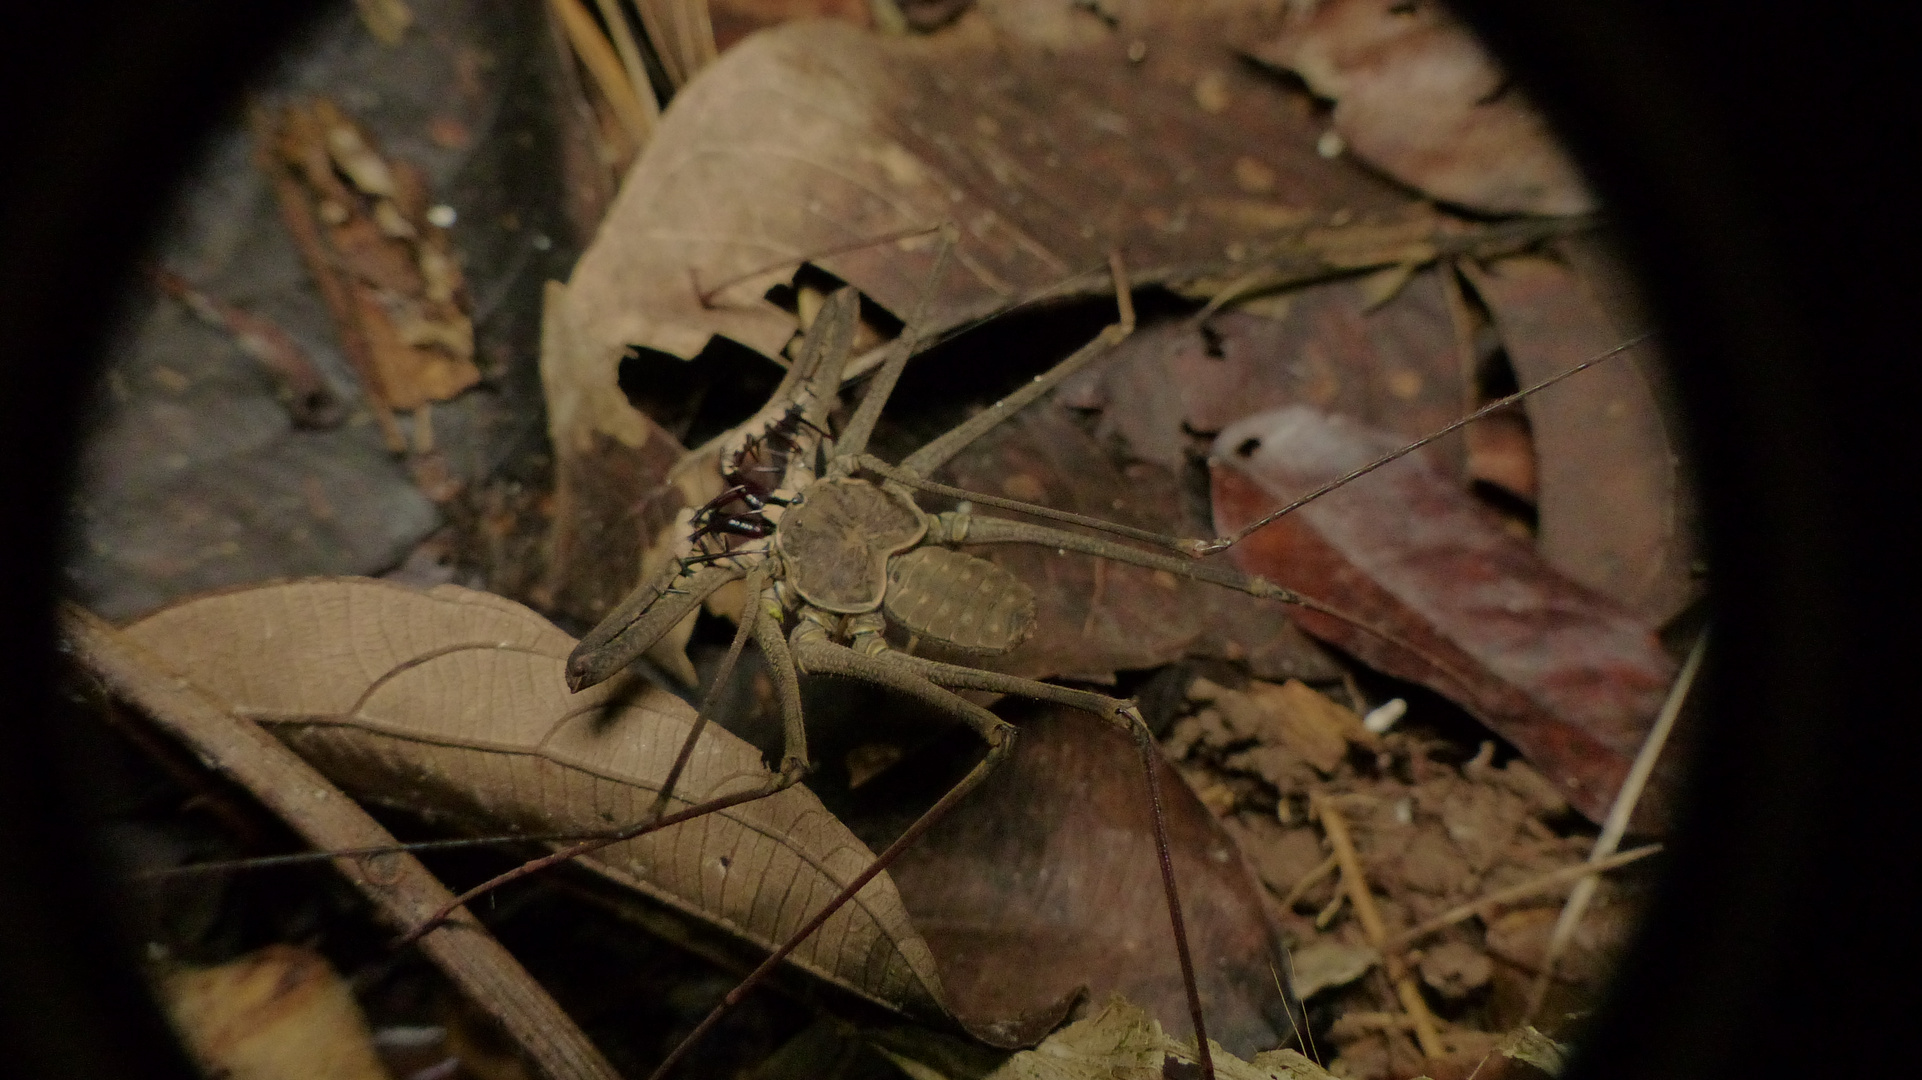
x=454, y=700
x=815, y=136
x=1417, y=96
x=611, y=501
x=281, y=1013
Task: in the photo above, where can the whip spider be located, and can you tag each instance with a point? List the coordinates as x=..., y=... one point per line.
x=834, y=550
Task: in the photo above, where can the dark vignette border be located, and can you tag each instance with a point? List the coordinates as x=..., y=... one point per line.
x=1752, y=156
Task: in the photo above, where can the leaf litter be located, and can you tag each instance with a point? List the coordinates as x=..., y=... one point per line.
x=1216, y=180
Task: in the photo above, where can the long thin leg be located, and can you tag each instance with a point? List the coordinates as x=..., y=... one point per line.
x=854, y=437
x=924, y=461
x=756, y=581
x=816, y=653
x=787, y=685
x=1190, y=546
x=1123, y=715
x=793, y=766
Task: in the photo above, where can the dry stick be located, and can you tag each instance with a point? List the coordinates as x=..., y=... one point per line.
x=1198, y=548
x=631, y=62
x=1304, y=1035
x=297, y=214
x=1356, y=883
x=1526, y=889
x=1145, y=744
x=402, y=889
x=653, y=21
x=605, y=68
x=1618, y=817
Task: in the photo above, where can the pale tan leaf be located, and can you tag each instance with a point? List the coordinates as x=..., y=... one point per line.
x=1528, y=1045
x=454, y=701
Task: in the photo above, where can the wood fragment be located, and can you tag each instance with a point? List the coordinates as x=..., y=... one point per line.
x=1427, y=1034
x=297, y=213
x=398, y=885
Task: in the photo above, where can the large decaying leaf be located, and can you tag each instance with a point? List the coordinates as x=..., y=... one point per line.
x=1572, y=679
x=1046, y=880
x=1048, y=154
x=453, y=702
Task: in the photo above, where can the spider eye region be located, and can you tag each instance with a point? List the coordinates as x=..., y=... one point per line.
x=836, y=543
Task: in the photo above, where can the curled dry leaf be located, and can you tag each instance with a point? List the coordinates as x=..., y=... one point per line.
x=1418, y=97
x=453, y=702
x=281, y=1013
x=1045, y=880
x=1615, y=508
x=1567, y=676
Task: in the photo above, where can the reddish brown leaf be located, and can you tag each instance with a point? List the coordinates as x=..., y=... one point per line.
x=1046, y=880
x=1615, y=509
x=1568, y=677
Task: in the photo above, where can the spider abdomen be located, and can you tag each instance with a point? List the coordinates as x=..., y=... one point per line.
x=969, y=604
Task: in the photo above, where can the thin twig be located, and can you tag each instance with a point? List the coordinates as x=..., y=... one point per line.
x=1308, y=881
x=1427, y=1034
x=399, y=886
x=1526, y=889
x=1617, y=824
